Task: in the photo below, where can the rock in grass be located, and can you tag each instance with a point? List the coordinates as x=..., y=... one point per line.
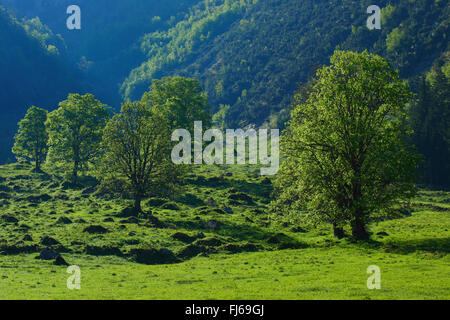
x=59, y=261
x=209, y=242
x=88, y=191
x=27, y=237
x=63, y=220
x=273, y=240
x=298, y=230
x=95, y=229
x=4, y=195
x=4, y=203
x=39, y=198
x=5, y=188
x=130, y=220
x=128, y=212
x=103, y=251
x=248, y=220
x=9, y=218
x=18, y=249
x=191, y=250
x=154, y=222
x=47, y=254
x=49, y=241
x=240, y=247
x=211, y=202
x=153, y=256
x=240, y=196
x=212, y=224
x=382, y=234
x=228, y=210
x=200, y=235
x=24, y=227
x=183, y=237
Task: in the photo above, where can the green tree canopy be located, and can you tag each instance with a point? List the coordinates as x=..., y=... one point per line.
x=346, y=156
x=137, y=149
x=31, y=139
x=182, y=99
x=75, y=132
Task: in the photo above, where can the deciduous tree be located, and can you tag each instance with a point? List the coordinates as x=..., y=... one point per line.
x=137, y=148
x=31, y=139
x=75, y=132
x=345, y=148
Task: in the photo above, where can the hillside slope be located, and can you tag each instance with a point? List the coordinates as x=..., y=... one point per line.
x=32, y=72
x=256, y=62
x=107, y=46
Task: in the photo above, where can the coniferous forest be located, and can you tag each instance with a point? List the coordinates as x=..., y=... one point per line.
x=224, y=149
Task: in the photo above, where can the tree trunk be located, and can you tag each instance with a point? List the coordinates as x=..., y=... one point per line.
x=75, y=173
x=338, y=231
x=359, y=231
x=137, y=204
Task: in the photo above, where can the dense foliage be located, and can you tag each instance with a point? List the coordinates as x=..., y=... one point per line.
x=251, y=54
x=136, y=149
x=346, y=156
x=32, y=137
x=75, y=131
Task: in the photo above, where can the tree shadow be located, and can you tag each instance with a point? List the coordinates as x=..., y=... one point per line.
x=239, y=232
x=254, y=188
x=432, y=245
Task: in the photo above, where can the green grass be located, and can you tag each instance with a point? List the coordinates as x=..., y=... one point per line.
x=413, y=256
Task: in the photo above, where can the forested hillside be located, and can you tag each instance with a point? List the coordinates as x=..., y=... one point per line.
x=107, y=46
x=252, y=54
x=33, y=70
x=249, y=54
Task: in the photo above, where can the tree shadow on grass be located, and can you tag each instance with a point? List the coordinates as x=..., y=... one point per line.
x=253, y=188
x=432, y=245
x=240, y=232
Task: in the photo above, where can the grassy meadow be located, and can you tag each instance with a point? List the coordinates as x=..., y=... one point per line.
x=214, y=240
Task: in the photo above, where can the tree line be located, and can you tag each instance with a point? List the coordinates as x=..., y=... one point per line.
x=132, y=146
x=346, y=148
